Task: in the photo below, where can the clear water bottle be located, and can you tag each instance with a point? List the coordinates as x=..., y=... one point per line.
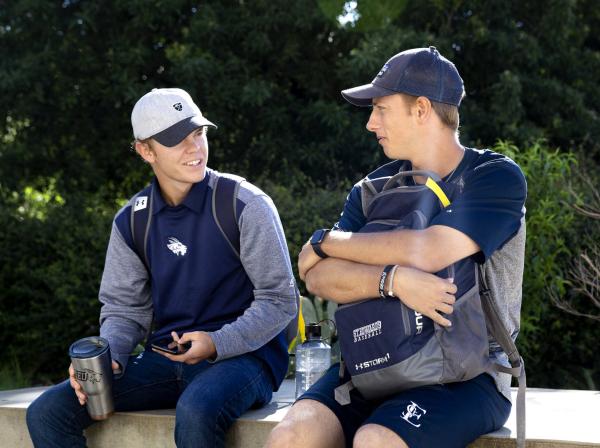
x=313, y=358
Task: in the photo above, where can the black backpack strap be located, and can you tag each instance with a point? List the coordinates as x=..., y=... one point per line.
x=224, y=209
x=500, y=334
x=141, y=217
x=495, y=325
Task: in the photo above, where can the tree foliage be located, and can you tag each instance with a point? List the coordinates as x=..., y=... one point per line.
x=269, y=74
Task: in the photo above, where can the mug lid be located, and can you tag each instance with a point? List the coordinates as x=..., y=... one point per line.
x=89, y=347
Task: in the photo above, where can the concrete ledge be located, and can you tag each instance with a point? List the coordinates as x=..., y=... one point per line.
x=555, y=419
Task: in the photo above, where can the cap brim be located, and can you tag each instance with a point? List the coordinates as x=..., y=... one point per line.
x=175, y=134
x=363, y=95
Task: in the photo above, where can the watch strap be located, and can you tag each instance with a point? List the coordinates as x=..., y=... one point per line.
x=316, y=245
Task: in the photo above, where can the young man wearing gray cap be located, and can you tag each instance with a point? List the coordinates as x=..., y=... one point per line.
x=171, y=261
x=415, y=99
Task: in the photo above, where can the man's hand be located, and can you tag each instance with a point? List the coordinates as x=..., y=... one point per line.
x=202, y=347
x=81, y=396
x=307, y=260
x=425, y=293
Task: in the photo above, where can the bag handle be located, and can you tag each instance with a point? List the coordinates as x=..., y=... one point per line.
x=395, y=179
x=431, y=183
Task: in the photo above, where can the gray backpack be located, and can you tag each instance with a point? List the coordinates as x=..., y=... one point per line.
x=387, y=347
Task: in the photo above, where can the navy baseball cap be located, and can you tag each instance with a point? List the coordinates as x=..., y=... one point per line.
x=418, y=72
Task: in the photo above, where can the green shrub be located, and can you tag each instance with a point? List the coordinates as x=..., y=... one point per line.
x=557, y=347
x=50, y=267
x=305, y=207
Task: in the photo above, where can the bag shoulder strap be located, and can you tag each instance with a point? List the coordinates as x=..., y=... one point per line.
x=224, y=209
x=494, y=323
x=500, y=334
x=141, y=216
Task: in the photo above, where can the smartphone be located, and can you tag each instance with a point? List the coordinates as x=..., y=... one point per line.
x=170, y=346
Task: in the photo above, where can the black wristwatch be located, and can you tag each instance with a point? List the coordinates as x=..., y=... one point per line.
x=316, y=239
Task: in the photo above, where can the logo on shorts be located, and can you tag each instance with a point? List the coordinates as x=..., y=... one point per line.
x=88, y=375
x=177, y=247
x=413, y=414
x=367, y=332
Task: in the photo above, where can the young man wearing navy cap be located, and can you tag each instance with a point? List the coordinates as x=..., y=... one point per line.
x=415, y=99
x=227, y=301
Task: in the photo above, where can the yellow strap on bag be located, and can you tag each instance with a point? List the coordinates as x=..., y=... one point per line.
x=301, y=333
x=301, y=326
x=433, y=186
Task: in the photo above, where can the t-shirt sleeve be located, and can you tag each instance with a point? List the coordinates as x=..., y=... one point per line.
x=491, y=205
x=352, y=218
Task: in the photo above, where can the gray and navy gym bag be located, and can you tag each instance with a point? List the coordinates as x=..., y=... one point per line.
x=386, y=346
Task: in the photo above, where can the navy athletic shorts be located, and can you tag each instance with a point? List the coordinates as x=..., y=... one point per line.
x=448, y=415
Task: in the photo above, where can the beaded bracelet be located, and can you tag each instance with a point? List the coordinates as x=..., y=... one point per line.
x=384, y=275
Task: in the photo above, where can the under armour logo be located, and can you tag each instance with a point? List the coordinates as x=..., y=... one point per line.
x=413, y=414
x=177, y=247
x=140, y=203
x=178, y=107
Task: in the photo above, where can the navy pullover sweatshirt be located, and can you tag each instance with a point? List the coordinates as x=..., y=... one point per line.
x=198, y=283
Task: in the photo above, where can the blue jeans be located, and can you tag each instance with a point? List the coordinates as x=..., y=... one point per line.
x=207, y=399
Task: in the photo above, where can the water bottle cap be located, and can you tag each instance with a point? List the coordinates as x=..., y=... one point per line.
x=88, y=347
x=313, y=331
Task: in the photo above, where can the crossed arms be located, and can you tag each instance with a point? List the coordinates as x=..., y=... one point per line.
x=356, y=260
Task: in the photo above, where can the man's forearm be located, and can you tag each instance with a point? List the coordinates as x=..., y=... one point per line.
x=429, y=250
x=343, y=281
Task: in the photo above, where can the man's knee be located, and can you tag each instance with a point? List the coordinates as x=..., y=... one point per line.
x=376, y=435
x=190, y=412
x=56, y=418
x=285, y=435
x=308, y=423
x=197, y=424
x=46, y=406
x=35, y=413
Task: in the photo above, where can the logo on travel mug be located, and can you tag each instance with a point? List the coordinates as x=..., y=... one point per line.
x=88, y=375
x=92, y=364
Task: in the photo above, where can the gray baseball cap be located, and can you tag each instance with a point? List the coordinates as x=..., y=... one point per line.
x=166, y=115
x=418, y=72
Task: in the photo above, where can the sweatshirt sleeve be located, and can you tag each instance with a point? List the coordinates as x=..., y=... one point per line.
x=126, y=313
x=264, y=255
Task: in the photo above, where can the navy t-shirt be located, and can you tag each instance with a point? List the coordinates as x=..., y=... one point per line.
x=487, y=205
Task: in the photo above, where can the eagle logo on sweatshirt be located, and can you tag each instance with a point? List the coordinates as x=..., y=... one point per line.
x=177, y=247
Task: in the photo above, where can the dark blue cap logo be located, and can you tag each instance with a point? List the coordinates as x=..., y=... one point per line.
x=178, y=107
